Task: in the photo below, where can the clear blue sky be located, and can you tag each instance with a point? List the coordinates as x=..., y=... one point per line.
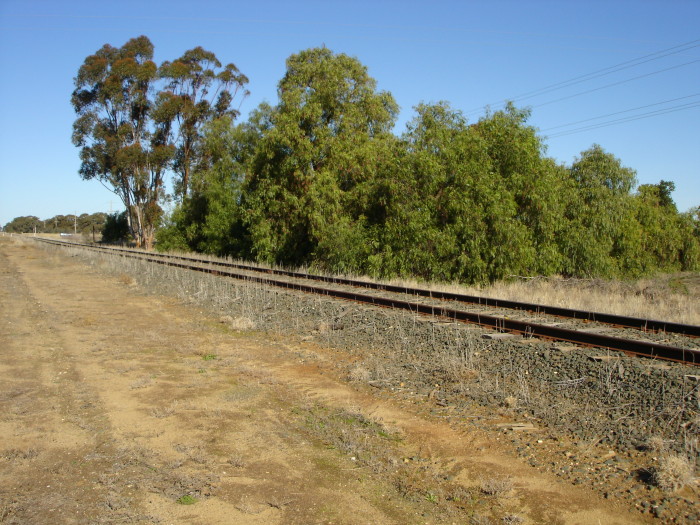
x=470, y=54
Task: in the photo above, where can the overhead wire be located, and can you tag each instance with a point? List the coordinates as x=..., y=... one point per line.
x=620, y=112
x=600, y=73
x=649, y=114
x=616, y=83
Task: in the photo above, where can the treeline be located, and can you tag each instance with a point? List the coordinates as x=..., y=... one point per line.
x=83, y=223
x=320, y=179
x=112, y=227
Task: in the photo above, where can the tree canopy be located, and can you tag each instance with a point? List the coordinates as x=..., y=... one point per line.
x=83, y=223
x=130, y=133
x=320, y=178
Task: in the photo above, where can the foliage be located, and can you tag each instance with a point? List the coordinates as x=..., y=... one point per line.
x=311, y=162
x=130, y=133
x=116, y=228
x=599, y=239
x=83, y=223
x=119, y=146
x=320, y=179
x=25, y=224
x=195, y=94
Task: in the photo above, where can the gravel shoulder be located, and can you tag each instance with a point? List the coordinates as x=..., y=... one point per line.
x=120, y=406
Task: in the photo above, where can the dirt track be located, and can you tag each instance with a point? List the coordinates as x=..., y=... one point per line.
x=115, y=405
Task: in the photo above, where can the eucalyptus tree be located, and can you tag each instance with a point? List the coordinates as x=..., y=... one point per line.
x=326, y=134
x=666, y=237
x=602, y=237
x=534, y=182
x=198, y=90
x=120, y=147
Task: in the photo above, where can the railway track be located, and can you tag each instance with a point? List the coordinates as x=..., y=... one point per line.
x=592, y=329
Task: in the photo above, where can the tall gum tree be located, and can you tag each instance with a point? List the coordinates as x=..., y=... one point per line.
x=119, y=145
x=198, y=90
x=321, y=148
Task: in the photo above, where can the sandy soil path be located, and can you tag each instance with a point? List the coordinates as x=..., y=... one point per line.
x=118, y=407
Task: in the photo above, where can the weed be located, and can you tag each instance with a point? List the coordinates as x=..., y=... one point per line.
x=359, y=374
x=657, y=444
x=126, y=279
x=511, y=401
x=209, y=357
x=496, y=486
x=278, y=503
x=187, y=500
x=242, y=324
x=676, y=285
x=141, y=383
x=164, y=412
x=673, y=472
x=14, y=454
x=236, y=461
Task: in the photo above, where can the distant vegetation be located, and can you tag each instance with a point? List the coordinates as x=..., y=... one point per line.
x=83, y=223
x=322, y=179
x=110, y=227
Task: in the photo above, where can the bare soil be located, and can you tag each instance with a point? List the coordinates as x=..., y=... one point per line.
x=117, y=406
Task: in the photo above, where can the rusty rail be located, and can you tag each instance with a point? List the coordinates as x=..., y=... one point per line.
x=628, y=346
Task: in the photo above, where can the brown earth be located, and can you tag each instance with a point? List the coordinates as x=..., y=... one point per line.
x=118, y=407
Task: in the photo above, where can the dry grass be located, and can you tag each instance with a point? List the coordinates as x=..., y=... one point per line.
x=164, y=412
x=497, y=486
x=673, y=473
x=237, y=461
x=141, y=383
x=672, y=297
x=126, y=279
x=359, y=374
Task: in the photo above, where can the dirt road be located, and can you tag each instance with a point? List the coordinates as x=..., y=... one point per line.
x=118, y=407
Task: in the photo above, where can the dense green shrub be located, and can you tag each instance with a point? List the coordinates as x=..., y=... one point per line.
x=320, y=179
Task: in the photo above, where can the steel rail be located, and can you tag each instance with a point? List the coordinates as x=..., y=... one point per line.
x=638, y=323
x=628, y=346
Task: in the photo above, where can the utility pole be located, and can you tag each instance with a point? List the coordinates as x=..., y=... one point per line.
x=75, y=223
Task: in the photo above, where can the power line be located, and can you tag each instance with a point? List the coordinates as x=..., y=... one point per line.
x=601, y=72
x=623, y=111
x=613, y=69
x=617, y=83
x=673, y=109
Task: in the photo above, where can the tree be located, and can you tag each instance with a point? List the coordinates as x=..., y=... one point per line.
x=119, y=145
x=26, y=224
x=116, y=228
x=666, y=237
x=195, y=94
x=535, y=185
x=310, y=164
x=602, y=236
